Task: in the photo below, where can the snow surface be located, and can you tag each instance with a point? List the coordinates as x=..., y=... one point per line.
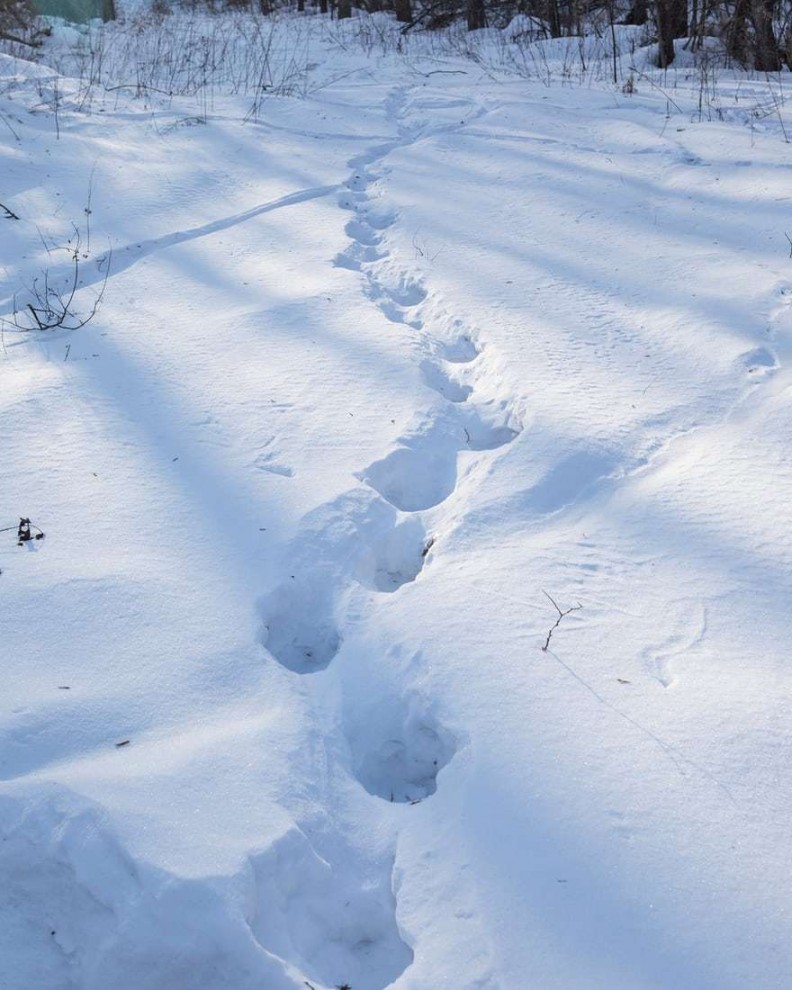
x=376, y=375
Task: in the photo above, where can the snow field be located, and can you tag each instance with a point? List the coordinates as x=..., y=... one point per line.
x=373, y=375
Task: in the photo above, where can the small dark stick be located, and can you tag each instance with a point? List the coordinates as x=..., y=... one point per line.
x=124, y=742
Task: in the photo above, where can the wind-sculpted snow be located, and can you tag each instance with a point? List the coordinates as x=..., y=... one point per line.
x=81, y=913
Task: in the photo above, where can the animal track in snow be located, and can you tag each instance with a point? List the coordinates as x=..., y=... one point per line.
x=439, y=379
x=390, y=309
x=376, y=217
x=298, y=624
x=363, y=233
x=759, y=361
x=349, y=199
x=396, y=556
x=422, y=471
x=413, y=479
x=337, y=926
x=360, y=181
x=394, y=300
x=398, y=748
x=480, y=434
x=357, y=255
x=461, y=350
x=357, y=536
x=407, y=293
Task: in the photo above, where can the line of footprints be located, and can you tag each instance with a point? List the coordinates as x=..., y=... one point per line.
x=376, y=536
x=376, y=530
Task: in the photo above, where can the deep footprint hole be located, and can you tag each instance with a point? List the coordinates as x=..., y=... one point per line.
x=298, y=629
x=362, y=232
x=334, y=921
x=412, y=480
x=398, y=748
x=394, y=558
x=480, y=435
x=758, y=360
x=439, y=380
x=462, y=350
x=407, y=294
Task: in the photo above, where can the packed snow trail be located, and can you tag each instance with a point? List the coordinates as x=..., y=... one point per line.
x=307, y=481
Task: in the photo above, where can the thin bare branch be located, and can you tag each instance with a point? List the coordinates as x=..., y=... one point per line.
x=561, y=615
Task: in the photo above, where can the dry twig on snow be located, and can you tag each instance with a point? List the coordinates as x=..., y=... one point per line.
x=561, y=615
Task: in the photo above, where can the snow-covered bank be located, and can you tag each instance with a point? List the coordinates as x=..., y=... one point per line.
x=377, y=375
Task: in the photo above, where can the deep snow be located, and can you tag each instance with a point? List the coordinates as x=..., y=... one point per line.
x=374, y=375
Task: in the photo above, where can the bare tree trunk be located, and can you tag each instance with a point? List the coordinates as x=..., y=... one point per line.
x=553, y=18
x=767, y=57
x=671, y=17
x=476, y=15
x=403, y=10
x=737, y=33
x=699, y=20
x=638, y=13
x=344, y=9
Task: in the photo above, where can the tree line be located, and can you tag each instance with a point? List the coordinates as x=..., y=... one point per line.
x=754, y=33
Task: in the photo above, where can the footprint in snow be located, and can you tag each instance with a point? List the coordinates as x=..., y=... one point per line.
x=414, y=479
x=439, y=380
x=397, y=747
x=461, y=350
x=298, y=626
x=407, y=293
x=333, y=919
x=759, y=361
x=357, y=255
x=363, y=233
x=422, y=472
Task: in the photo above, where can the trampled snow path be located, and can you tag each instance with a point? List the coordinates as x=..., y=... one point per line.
x=305, y=482
x=396, y=745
